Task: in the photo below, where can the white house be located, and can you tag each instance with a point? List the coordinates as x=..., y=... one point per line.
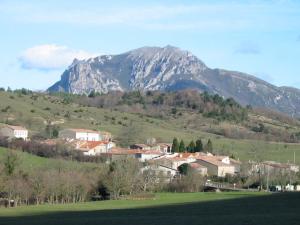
x=165, y=147
x=147, y=155
x=14, y=132
x=80, y=134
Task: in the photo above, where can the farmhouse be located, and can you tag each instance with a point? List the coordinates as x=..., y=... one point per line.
x=14, y=132
x=217, y=166
x=80, y=134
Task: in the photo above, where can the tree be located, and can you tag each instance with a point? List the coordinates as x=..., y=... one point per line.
x=183, y=168
x=124, y=177
x=191, y=181
x=92, y=94
x=175, y=145
x=181, y=146
x=199, y=146
x=51, y=130
x=10, y=163
x=191, y=147
x=209, y=146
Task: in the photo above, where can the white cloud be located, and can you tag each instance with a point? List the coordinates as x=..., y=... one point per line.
x=51, y=56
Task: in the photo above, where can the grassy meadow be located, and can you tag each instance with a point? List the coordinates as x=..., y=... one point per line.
x=28, y=162
x=167, y=208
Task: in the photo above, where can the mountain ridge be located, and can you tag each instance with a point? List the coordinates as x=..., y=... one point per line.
x=170, y=69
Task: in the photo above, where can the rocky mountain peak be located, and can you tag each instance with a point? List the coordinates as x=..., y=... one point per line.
x=170, y=69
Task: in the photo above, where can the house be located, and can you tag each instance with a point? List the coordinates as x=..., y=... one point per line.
x=202, y=170
x=175, y=160
x=146, y=147
x=117, y=153
x=161, y=171
x=14, y=132
x=236, y=163
x=272, y=166
x=147, y=155
x=216, y=166
x=165, y=148
x=93, y=148
x=80, y=134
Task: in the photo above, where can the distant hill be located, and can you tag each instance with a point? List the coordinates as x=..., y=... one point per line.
x=245, y=133
x=171, y=69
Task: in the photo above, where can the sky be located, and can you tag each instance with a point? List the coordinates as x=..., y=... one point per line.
x=39, y=39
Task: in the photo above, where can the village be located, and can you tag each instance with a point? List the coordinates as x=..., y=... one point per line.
x=161, y=157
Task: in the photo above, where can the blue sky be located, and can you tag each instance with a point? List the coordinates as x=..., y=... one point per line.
x=39, y=39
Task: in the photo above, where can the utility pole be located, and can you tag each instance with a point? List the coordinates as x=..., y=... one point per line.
x=294, y=157
x=268, y=178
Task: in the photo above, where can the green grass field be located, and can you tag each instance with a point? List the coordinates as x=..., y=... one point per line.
x=167, y=208
x=27, y=162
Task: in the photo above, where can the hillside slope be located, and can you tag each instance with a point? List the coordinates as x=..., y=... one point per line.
x=36, y=110
x=171, y=69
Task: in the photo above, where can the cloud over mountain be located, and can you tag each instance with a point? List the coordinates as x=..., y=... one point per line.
x=50, y=56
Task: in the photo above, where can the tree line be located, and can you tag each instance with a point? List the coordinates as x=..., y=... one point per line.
x=123, y=177
x=192, y=147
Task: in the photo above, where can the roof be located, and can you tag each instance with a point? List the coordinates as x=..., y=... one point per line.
x=165, y=144
x=176, y=158
x=213, y=160
x=125, y=151
x=16, y=127
x=92, y=144
x=277, y=164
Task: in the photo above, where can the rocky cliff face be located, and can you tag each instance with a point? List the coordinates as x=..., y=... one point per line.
x=172, y=69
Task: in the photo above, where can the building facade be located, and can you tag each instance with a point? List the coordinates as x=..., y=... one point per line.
x=80, y=134
x=14, y=132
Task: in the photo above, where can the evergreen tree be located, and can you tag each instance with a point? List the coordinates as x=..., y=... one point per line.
x=199, y=146
x=10, y=162
x=175, y=145
x=181, y=146
x=92, y=94
x=191, y=148
x=209, y=146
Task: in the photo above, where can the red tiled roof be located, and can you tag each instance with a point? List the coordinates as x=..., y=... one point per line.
x=213, y=160
x=92, y=144
x=125, y=151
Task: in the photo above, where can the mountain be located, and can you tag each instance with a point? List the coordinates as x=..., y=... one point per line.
x=171, y=69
